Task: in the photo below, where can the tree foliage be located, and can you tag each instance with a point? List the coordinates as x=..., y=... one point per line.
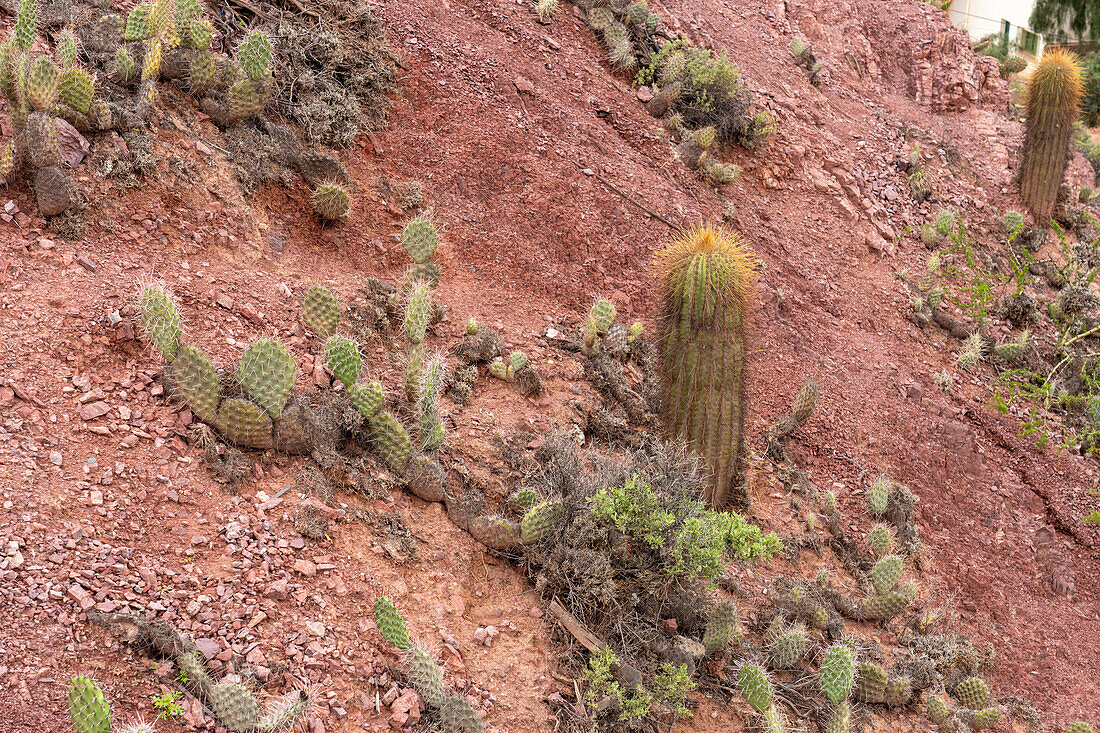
x=1081, y=18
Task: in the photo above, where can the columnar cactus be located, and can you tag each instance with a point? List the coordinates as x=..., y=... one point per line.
x=1053, y=99
x=161, y=320
x=88, y=706
x=266, y=372
x=838, y=673
x=344, y=361
x=755, y=687
x=704, y=277
x=972, y=693
x=538, y=521
x=722, y=627
x=320, y=310
x=390, y=623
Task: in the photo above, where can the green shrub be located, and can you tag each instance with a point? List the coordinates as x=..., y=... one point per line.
x=712, y=92
x=1090, y=105
x=634, y=509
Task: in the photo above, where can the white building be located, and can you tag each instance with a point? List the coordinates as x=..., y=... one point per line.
x=983, y=17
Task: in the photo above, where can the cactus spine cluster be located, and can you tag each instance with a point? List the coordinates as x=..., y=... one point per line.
x=972, y=693
x=704, y=279
x=432, y=431
x=1053, y=98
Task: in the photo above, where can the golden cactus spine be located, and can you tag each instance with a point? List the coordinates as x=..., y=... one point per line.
x=705, y=281
x=1053, y=98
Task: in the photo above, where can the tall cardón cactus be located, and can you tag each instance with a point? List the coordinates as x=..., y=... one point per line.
x=1053, y=96
x=705, y=276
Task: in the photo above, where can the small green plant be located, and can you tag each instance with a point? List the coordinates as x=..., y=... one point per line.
x=167, y=705
x=602, y=686
x=634, y=509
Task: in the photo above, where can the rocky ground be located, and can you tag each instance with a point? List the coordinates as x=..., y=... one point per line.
x=547, y=172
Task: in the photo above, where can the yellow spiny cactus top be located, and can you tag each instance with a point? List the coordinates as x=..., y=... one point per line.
x=706, y=265
x=1056, y=86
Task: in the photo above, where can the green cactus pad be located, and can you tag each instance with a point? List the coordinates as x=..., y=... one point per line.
x=898, y=692
x=538, y=521
x=804, y=402
x=76, y=89
x=432, y=431
x=202, y=34
x=125, y=67
x=819, y=618
x=254, y=55
x=499, y=370
x=828, y=504
x=197, y=382
x=838, y=673
x=161, y=320
x=722, y=627
x=772, y=721
x=985, y=719
x=600, y=18
x=234, y=706
x=202, y=72
x=602, y=315
x=420, y=238
x=414, y=373
x=67, y=47
x=428, y=272
x=331, y=201
x=26, y=25
x=391, y=440
x=637, y=13
x=88, y=706
x=320, y=310
x=194, y=671
x=880, y=540
x=972, y=693
x=244, y=423
x=945, y=221
x=755, y=687
x=390, y=623
x=42, y=83
x=40, y=138
x=1014, y=221
x=267, y=372
x=938, y=712
x=1079, y=727
x=591, y=338
x=636, y=330
x=471, y=327
x=367, y=398
x=187, y=13
x=878, y=498
x=247, y=98
x=150, y=64
x=870, y=683
x=418, y=311
x=138, y=27
x=285, y=714
x=423, y=674
x=887, y=606
x=517, y=361
x=840, y=719
x=525, y=498
x=786, y=651
x=886, y=573
x=457, y=715
x=343, y=359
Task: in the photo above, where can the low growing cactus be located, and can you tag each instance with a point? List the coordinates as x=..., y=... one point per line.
x=870, y=683
x=420, y=238
x=161, y=320
x=320, y=310
x=886, y=573
x=880, y=540
x=538, y=521
x=390, y=623
x=343, y=359
x=972, y=693
x=837, y=673
x=331, y=201
x=722, y=627
x=88, y=706
x=786, y=651
x=755, y=687
x=267, y=372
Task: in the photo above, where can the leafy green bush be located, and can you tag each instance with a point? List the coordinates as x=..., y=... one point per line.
x=670, y=687
x=1090, y=106
x=711, y=92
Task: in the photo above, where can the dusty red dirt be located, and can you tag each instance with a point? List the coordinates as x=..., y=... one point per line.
x=514, y=127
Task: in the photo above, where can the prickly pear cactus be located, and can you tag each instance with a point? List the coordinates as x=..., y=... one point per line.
x=984, y=719
x=138, y=27
x=880, y=540
x=457, y=715
x=343, y=359
x=26, y=25
x=636, y=330
x=420, y=238
x=423, y=674
x=878, y=498
x=42, y=83
x=254, y=55
x=88, y=706
x=890, y=604
x=804, y=402
x=432, y=431
x=870, y=683
x=898, y=692
x=390, y=623
x=538, y=521
x=202, y=34
x=938, y=711
x=602, y=315
x=886, y=573
x=234, y=706
x=1014, y=221
x=40, y=134
x=391, y=440
x=197, y=382
x=203, y=71
x=367, y=398
x=755, y=687
x=972, y=693
x=161, y=320
x=418, y=311
x=517, y=361
x=67, y=48
x=838, y=673
x=828, y=505
x=286, y=713
x=840, y=719
x=320, y=310
x=247, y=98
x=150, y=63
x=125, y=66
x=722, y=627
x=786, y=651
x=525, y=498
x=266, y=372
x=244, y=423
x=76, y=89
x=428, y=272
x=772, y=721
x=331, y=201
x=1079, y=727
x=499, y=370
x=414, y=373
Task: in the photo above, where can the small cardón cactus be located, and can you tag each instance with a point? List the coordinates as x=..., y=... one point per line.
x=88, y=706
x=76, y=89
x=870, y=683
x=420, y=237
x=704, y=277
x=367, y=398
x=755, y=687
x=331, y=201
x=320, y=310
x=161, y=320
x=423, y=674
x=972, y=693
x=880, y=540
x=538, y=521
x=343, y=359
x=886, y=573
x=1053, y=99
x=390, y=623
x=267, y=372
x=838, y=673
x=244, y=423
x=786, y=651
x=197, y=382
x=42, y=83
x=722, y=627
